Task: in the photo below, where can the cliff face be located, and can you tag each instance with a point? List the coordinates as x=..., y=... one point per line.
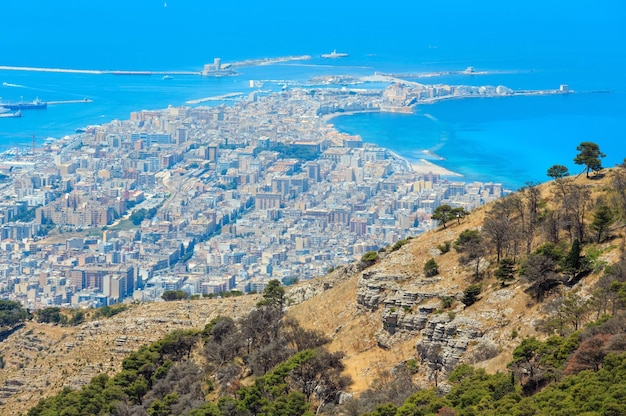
x=391, y=312
x=413, y=307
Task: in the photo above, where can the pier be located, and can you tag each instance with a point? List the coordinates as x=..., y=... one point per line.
x=228, y=96
x=84, y=100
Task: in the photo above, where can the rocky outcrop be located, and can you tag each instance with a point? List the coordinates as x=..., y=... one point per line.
x=445, y=339
x=306, y=290
x=413, y=307
x=373, y=286
x=409, y=317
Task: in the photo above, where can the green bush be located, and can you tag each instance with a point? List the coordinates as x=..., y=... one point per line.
x=109, y=311
x=369, y=258
x=170, y=295
x=445, y=247
x=447, y=301
x=400, y=243
x=431, y=268
x=470, y=295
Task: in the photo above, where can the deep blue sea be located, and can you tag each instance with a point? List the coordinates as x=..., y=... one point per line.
x=532, y=45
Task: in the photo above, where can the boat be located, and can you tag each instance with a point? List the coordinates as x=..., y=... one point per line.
x=36, y=104
x=168, y=77
x=334, y=54
x=18, y=113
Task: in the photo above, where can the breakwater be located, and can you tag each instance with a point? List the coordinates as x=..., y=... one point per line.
x=237, y=64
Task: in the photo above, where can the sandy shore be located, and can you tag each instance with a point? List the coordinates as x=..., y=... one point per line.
x=420, y=166
x=424, y=166
x=327, y=118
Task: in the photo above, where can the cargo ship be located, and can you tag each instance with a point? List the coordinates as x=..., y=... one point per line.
x=36, y=104
x=334, y=54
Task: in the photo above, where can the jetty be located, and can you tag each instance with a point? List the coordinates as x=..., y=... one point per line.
x=84, y=100
x=228, y=96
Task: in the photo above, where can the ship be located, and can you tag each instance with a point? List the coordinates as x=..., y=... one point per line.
x=334, y=54
x=36, y=104
x=18, y=113
x=168, y=77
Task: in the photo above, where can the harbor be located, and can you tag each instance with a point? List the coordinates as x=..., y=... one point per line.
x=14, y=109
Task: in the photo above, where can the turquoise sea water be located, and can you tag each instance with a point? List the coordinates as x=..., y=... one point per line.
x=512, y=140
x=532, y=45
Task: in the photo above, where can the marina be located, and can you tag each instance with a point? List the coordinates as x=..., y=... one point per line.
x=14, y=109
x=36, y=104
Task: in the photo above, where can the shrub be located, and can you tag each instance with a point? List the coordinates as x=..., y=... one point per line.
x=369, y=258
x=109, y=311
x=400, y=243
x=445, y=247
x=447, y=301
x=431, y=268
x=470, y=295
x=170, y=295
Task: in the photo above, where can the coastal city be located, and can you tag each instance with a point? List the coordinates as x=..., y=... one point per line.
x=211, y=199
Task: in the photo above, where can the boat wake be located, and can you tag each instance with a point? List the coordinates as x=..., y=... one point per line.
x=6, y=84
x=432, y=155
x=430, y=116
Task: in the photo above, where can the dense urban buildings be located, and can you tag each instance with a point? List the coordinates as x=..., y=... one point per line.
x=212, y=199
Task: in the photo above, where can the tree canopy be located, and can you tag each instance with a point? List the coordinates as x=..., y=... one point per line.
x=589, y=156
x=12, y=313
x=558, y=171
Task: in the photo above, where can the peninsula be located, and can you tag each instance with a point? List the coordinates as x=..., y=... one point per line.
x=212, y=199
x=208, y=199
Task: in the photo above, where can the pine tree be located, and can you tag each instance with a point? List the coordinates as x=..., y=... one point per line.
x=506, y=271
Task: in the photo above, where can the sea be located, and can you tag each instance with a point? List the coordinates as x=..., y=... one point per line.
x=524, y=46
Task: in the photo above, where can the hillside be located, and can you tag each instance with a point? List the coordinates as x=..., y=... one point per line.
x=393, y=308
x=379, y=315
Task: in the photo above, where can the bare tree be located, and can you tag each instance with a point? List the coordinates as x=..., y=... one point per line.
x=298, y=338
x=540, y=271
x=619, y=185
x=317, y=373
x=552, y=226
x=528, y=212
x=576, y=204
x=497, y=226
x=472, y=248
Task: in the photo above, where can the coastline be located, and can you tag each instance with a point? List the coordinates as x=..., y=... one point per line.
x=422, y=166
x=425, y=166
x=326, y=118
